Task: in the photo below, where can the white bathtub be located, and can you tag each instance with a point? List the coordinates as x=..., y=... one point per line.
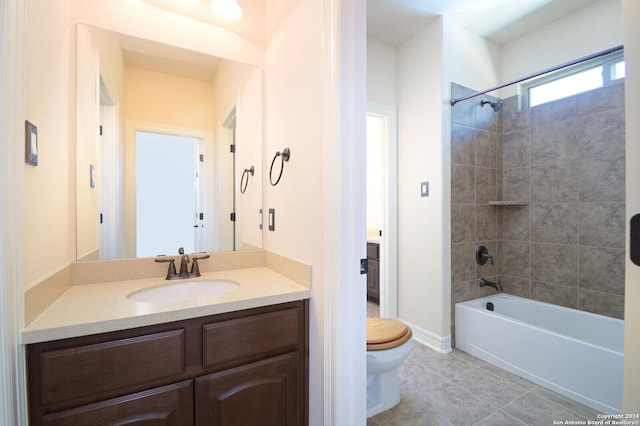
x=574, y=353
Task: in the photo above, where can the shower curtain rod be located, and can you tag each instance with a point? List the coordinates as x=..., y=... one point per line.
x=536, y=74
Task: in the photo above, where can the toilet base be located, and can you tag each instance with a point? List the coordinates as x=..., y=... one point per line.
x=383, y=392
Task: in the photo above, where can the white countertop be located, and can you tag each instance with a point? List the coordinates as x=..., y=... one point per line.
x=98, y=308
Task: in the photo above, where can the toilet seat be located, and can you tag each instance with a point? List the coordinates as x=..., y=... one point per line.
x=386, y=333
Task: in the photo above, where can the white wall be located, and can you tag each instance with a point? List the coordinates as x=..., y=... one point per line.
x=470, y=60
x=631, y=391
x=423, y=223
x=381, y=73
x=294, y=119
x=592, y=29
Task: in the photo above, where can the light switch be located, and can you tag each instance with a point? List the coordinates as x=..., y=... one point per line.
x=272, y=219
x=424, y=189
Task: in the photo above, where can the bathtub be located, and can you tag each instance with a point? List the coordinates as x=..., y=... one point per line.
x=574, y=353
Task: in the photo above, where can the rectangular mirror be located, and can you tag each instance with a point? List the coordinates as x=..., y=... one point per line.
x=169, y=149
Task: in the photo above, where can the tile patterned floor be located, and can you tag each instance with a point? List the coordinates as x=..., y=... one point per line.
x=459, y=389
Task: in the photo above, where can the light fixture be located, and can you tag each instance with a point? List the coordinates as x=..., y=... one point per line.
x=227, y=10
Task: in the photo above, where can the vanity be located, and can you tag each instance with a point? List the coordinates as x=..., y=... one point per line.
x=237, y=358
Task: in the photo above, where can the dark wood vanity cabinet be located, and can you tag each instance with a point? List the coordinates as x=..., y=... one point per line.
x=240, y=368
x=373, y=273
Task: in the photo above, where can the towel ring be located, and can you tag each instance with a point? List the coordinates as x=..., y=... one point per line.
x=285, y=155
x=244, y=183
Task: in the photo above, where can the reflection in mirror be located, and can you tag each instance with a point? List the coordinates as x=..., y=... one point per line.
x=177, y=128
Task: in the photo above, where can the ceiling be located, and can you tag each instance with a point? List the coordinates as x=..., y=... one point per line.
x=393, y=21
x=390, y=21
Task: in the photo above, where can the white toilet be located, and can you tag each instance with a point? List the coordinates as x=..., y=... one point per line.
x=388, y=345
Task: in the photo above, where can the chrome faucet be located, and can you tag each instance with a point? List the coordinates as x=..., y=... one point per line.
x=484, y=282
x=184, y=265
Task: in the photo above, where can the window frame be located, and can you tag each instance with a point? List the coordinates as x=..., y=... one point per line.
x=605, y=61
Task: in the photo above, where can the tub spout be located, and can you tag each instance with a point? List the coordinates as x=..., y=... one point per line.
x=483, y=282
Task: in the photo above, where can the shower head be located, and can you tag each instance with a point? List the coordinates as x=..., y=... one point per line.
x=497, y=106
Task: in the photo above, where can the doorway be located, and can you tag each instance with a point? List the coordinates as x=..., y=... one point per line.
x=167, y=193
x=382, y=199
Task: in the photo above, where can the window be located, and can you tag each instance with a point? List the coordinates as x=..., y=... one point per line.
x=598, y=72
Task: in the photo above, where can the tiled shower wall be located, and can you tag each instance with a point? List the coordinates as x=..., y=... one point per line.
x=565, y=163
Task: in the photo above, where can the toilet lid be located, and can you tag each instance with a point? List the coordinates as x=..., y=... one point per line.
x=386, y=333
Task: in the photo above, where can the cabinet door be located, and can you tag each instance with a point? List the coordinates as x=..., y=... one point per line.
x=373, y=280
x=170, y=405
x=265, y=393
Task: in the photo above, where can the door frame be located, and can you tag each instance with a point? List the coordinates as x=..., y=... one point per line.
x=110, y=154
x=133, y=127
x=389, y=238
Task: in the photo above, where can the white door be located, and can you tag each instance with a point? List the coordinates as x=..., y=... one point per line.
x=166, y=193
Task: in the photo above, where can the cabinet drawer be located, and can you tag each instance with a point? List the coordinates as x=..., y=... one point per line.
x=106, y=368
x=238, y=340
x=373, y=251
x=170, y=405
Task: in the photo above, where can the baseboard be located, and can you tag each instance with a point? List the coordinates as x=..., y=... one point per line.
x=440, y=344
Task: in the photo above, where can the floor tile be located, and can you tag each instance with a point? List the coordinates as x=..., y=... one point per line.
x=407, y=414
x=500, y=418
x=447, y=365
x=492, y=389
x=570, y=404
x=457, y=405
x=536, y=410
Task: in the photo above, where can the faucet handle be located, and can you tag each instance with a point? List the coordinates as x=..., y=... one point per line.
x=201, y=255
x=482, y=255
x=171, y=272
x=195, y=269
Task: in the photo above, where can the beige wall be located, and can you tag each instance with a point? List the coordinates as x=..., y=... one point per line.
x=147, y=93
x=98, y=56
x=49, y=196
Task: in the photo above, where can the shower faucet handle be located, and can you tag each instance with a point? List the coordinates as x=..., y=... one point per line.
x=482, y=256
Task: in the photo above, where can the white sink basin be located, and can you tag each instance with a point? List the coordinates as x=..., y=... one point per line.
x=180, y=291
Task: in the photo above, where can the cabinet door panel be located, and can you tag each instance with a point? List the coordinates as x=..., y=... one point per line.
x=373, y=251
x=244, y=339
x=105, y=368
x=264, y=393
x=373, y=280
x=170, y=405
